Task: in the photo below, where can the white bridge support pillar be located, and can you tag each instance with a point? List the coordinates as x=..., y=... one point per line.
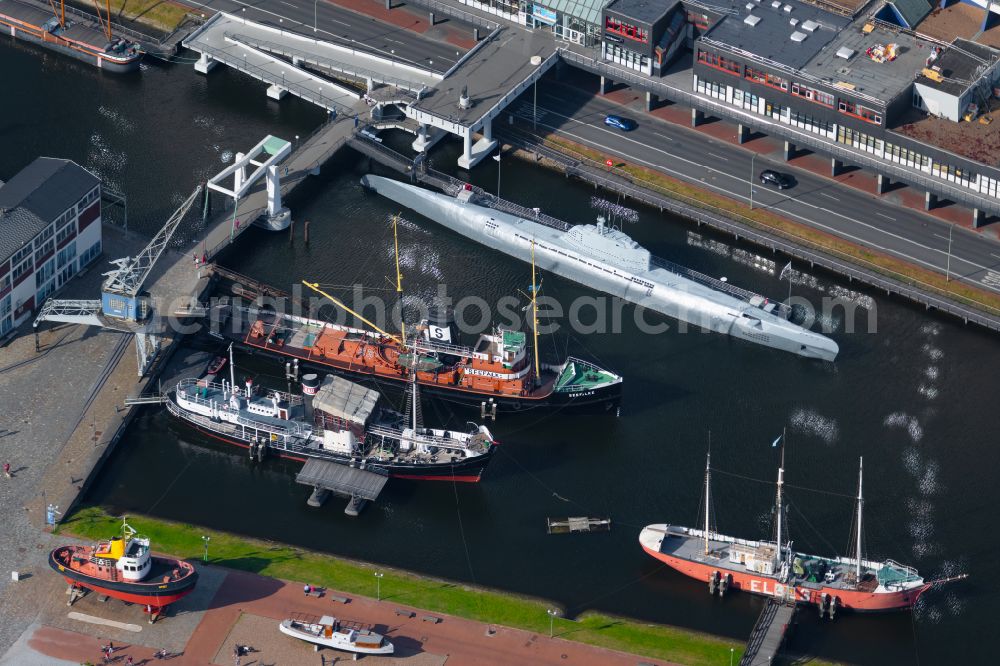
x=205, y=64
x=278, y=217
x=276, y=92
x=467, y=148
x=240, y=176
x=488, y=129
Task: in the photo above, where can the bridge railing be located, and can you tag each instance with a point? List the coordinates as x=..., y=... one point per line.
x=450, y=10
x=303, y=92
x=323, y=61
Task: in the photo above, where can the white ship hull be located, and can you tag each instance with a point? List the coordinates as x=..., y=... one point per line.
x=327, y=633
x=563, y=253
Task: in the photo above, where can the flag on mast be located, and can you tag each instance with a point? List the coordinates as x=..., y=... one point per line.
x=787, y=270
x=776, y=441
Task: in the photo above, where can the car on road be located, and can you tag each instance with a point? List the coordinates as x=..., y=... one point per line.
x=619, y=122
x=779, y=180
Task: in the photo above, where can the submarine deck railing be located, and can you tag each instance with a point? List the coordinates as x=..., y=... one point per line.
x=452, y=186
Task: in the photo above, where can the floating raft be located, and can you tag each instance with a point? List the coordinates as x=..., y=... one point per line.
x=329, y=477
x=567, y=525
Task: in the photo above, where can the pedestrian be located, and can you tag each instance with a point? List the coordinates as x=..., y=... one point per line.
x=306, y=589
x=6, y=470
x=128, y=661
x=204, y=258
x=355, y=120
x=237, y=224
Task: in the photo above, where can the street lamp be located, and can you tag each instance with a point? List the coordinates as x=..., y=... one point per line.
x=753, y=156
x=315, y=22
x=205, y=540
x=552, y=618
x=497, y=158
x=731, y=652
x=378, y=586
x=535, y=62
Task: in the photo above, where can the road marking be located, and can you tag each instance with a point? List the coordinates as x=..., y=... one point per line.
x=886, y=216
x=288, y=4
x=814, y=223
x=828, y=196
x=668, y=138
x=940, y=236
x=93, y=619
x=995, y=255
x=718, y=157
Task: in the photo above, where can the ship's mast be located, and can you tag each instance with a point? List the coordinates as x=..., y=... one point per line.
x=414, y=420
x=708, y=489
x=779, y=502
x=534, y=311
x=399, y=280
x=857, y=565
x=232, y=371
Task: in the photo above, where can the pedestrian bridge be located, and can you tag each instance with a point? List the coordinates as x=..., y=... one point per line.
x=462, y=101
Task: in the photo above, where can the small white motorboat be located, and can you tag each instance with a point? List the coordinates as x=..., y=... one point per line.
x=330, y=632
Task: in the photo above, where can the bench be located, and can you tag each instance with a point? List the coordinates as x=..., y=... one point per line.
x=431, y=619
x=316, y=592
x=342, y=600
x=401, y=612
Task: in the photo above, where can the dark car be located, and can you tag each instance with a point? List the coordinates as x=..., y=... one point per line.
x=779, y=180
x=624, y=124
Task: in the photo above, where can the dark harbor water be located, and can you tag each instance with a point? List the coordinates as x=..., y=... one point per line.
x=915, y=397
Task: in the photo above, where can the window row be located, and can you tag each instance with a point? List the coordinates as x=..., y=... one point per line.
x=617, y=27
x=860, y=111
x=87, y=200
x=719, y=62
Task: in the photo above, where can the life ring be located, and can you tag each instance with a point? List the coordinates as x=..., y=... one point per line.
x=515, y=405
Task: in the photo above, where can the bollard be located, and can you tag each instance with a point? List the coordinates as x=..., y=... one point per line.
x=291, y=231
x=475, y=34
x=388, y=4
x=432, y=19
x=306, y=232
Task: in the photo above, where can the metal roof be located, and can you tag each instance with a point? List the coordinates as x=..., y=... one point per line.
x=585, y=10
x=345, y=399
x=36, y=196
x=47, y=187
x=911, y=11
x=17, y=227
x=644, y=11
x=768, y=34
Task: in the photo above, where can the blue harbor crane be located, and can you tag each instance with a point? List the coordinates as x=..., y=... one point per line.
x=124, y=305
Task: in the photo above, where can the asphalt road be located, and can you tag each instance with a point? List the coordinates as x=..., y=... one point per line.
x=342, y=26
x=818, y=202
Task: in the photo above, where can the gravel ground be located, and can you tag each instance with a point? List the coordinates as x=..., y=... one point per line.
x=58, y=409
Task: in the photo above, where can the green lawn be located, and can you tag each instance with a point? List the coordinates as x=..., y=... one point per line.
x=161, y=14
x=288, y=563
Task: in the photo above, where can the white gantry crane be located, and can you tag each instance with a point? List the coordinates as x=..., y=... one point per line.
x=124, y=306
x=273, y=149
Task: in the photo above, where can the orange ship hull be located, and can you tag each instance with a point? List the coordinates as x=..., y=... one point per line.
x=856, y=600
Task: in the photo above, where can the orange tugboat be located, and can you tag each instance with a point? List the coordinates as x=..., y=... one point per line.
x=122, y=567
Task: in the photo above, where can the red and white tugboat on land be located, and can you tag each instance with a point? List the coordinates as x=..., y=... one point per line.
x=122, y=567
x=774, y=569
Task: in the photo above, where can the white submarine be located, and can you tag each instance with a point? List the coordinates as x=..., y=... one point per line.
x=606, y=259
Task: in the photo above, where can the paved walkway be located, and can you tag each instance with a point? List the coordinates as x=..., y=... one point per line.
x=246, y=609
